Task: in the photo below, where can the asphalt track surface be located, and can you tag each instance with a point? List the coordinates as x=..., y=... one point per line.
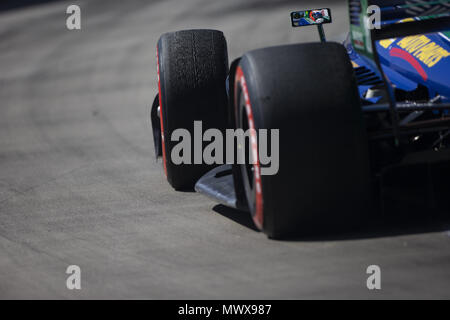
x=79, y=184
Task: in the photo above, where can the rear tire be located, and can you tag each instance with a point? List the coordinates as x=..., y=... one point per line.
x=309, y=93
x=192, y=70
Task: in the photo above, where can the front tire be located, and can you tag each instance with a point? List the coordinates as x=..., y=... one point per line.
x=309, y=93
x=192, y=71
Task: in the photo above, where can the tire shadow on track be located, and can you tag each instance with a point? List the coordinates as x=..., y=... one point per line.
x=241, y=217
x=388, y=224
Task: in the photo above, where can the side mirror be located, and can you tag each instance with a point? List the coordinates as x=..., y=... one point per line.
x=310, y=17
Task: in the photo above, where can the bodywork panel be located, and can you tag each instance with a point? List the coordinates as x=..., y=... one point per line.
x=408, y=62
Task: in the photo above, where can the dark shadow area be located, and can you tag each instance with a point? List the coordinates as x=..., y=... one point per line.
x=186, y=190
x=241, y=217
x=6, y=5
x=409, y=199
x=381, y=226
x=388, y=224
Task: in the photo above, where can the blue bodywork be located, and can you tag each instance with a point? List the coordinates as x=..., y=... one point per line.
x=409, y=62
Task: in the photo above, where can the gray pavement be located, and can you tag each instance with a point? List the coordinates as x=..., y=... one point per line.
x=79, y=183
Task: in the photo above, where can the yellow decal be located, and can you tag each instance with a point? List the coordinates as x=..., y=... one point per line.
x=423, y=49
x=387, y=42
x=354, y=64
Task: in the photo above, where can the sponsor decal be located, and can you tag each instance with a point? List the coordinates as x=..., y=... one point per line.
x=387, y=42
x=423, y=49
x=358, y=39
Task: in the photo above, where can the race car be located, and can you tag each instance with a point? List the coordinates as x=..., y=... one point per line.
x=353, y=119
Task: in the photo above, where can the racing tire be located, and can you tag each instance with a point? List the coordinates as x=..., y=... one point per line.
x=192, y=70
x=308, y=92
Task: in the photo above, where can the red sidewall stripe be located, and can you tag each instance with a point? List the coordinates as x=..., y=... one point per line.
x=258, y=217
x=161, y=113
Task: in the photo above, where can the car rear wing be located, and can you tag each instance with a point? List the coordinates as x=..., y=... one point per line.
x=374, y=20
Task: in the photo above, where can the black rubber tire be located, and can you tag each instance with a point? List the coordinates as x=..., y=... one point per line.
x=193, y=66
x=308, y=92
